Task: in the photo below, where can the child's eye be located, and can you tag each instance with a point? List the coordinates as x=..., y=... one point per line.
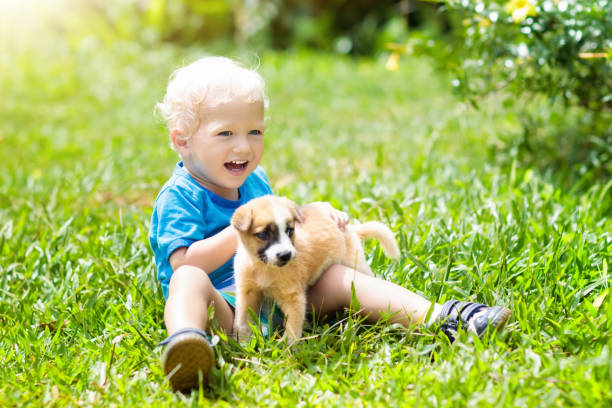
x=225, y=133
x=255, y=132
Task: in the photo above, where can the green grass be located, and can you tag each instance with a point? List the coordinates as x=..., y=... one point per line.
x=83, y=157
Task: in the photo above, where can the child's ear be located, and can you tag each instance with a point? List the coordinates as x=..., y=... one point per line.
x=241, y=220
x=179, y=141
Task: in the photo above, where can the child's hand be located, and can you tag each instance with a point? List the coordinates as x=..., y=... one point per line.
x=340, y=217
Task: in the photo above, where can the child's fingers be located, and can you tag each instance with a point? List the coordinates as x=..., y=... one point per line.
x=341, y=218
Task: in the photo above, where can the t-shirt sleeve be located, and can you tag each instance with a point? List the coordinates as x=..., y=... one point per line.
x=265, y=183
x=180, y=221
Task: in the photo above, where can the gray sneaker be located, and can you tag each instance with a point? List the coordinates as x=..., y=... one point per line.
x=472, y=316
x=187, y=357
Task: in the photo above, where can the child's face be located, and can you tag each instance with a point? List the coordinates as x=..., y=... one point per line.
x=227, y=146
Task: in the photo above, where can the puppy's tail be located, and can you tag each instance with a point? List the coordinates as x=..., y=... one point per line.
x=380, y=231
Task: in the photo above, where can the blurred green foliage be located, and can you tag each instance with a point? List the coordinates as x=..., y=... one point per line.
x=527, y=49
x=357, y=27
x=561, y=48
x=344, y=26
x=558, y=48
x=176, y=21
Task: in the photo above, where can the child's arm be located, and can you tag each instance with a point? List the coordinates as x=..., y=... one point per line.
x=207, y=254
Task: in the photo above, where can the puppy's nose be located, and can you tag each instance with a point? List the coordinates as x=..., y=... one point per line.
x=284, y=257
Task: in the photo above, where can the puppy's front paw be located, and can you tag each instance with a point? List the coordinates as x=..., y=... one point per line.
x=292, y=336
x=243, y=332
x=289, y=339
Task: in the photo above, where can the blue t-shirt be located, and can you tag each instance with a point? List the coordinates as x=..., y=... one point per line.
x=186, y=212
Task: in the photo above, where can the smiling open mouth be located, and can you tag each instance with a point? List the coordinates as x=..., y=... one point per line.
x=236, y=165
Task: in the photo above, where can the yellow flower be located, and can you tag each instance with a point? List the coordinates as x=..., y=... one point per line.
x=593, y=55
x=520, y=9
x=393, y=62
x=483, y=22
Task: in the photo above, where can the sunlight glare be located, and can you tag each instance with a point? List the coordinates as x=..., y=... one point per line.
x=23, y=22
x=19, y=17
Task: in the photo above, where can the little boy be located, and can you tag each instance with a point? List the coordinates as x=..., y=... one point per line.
x=215, y=113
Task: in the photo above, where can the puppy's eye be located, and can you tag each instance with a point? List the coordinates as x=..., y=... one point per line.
x=289, y=231
x=263, y=235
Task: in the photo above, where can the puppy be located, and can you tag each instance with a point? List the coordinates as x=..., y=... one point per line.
x=284, y=248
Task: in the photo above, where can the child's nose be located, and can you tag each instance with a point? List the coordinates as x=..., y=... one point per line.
x=242, y=144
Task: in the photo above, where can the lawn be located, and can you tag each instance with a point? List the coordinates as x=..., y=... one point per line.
x=83, y=156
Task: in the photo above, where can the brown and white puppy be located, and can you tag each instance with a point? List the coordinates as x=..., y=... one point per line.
x=284, y=248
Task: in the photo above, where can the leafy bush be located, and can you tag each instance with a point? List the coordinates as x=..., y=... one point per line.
x=561, y=48
x=522, y=50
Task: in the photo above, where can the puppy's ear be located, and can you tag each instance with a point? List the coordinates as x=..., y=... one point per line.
x=297, y=214
x=295, y=210
x=242, y=218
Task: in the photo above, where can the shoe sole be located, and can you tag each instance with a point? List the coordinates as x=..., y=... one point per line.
x=184, y=359
x=499, y=320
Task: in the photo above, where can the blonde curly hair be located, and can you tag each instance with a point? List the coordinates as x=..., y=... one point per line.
x=207, y=83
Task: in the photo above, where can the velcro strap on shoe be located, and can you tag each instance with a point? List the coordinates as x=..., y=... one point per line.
x=448, y=311
x=449, y=318
x=468, y=310
x=185, y=330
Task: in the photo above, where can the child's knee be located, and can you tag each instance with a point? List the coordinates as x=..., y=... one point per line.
x=190, y=278
x=332, y=290
x=341, y=277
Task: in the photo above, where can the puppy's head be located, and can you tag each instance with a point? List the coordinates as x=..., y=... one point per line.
x=266, y=226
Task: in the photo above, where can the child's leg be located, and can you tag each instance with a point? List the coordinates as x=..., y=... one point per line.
x=332, y=292
x=188, y=355
x=190, y=293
